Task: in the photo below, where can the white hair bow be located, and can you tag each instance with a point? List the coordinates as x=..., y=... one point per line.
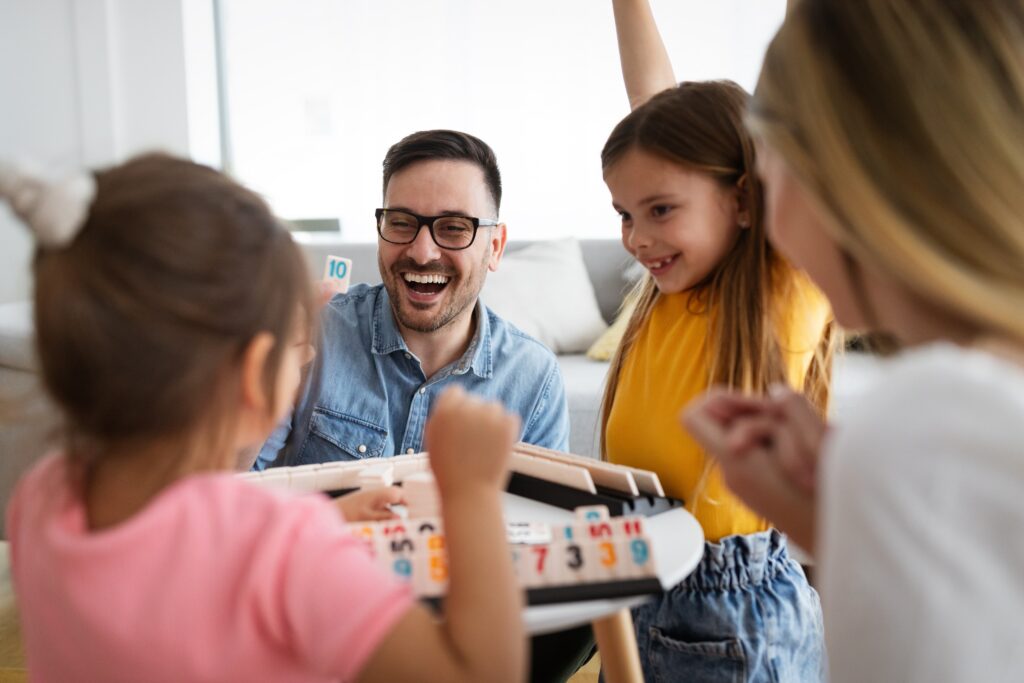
x=55, y=211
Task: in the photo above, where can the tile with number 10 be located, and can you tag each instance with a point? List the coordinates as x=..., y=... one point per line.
x=337, y=274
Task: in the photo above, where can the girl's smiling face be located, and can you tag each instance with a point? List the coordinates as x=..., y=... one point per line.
x=678, y=223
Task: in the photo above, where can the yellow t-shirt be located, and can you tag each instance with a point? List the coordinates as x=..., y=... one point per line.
x=665, y=369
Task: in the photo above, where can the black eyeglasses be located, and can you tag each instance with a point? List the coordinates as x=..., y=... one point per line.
x=448, y=232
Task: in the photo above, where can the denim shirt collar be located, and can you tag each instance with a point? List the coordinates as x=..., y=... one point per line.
x=387, y=339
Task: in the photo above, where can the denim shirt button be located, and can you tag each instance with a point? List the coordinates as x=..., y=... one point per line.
x=408, y=356
x=410, y=451
x=423, y=390
x=361, y=448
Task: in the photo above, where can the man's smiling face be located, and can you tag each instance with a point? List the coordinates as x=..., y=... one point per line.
x=430, y=286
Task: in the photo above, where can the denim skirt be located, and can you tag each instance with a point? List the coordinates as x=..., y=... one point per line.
x=747, y=613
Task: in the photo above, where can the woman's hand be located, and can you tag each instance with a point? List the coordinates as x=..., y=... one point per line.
x=768, y=451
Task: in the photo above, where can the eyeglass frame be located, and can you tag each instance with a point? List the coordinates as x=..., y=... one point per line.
x=429, y=222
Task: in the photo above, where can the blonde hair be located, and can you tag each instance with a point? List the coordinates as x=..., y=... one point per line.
x=700, y=126
x=903, y=119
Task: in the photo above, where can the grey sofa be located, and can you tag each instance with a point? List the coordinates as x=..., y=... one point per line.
x=28, y=422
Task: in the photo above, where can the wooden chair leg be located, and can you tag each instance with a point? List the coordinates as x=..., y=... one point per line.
x=616, y=641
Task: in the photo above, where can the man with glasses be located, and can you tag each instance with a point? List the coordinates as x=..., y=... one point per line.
x=386, y=352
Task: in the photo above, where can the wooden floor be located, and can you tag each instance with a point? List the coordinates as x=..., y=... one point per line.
x=12, y=659
x=589, y=673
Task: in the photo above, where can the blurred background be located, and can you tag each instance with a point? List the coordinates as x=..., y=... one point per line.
x=301, y=99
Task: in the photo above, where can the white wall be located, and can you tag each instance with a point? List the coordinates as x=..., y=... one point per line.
x=85, y=82
x=319, y=89
x=90, y=82
x=39, y=116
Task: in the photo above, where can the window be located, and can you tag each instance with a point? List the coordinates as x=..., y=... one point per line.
x=316, y=91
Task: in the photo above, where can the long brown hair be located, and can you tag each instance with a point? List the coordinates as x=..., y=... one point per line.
x=699, y=125
x=141, y=317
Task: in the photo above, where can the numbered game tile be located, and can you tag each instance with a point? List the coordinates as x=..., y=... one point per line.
x=592, y=513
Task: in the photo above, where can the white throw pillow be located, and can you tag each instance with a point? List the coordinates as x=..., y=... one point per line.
x=544, y=290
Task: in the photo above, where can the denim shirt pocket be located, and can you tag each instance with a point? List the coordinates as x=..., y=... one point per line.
x=356, y=438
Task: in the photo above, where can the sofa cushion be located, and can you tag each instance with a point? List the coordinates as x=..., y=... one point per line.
x=16, y=337
x=545, y=291
x=608, y=343
x=607, y=263
x=584, y=386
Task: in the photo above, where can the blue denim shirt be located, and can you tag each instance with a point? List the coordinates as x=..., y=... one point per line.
x=366, y=395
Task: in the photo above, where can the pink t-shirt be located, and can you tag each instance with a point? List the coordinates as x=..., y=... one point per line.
x=215, y=580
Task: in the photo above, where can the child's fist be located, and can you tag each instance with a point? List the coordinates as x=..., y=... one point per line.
x=469, y=441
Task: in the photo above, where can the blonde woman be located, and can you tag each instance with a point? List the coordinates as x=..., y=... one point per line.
x=893, y=159
x=718, y=304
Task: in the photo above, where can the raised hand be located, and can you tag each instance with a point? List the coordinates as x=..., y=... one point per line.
x=469, y=441
x=646, y=68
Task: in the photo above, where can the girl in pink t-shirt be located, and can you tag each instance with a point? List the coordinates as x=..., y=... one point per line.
x=172, y=314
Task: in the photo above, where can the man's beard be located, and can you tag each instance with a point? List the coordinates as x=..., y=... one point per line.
x=460, y=294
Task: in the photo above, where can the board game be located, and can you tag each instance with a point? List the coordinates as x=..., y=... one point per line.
x=578, y=529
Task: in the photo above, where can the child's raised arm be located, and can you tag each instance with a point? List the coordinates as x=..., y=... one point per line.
x=481, y=638
x=646, y=69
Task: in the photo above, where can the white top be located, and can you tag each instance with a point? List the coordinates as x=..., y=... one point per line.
x=922, y=524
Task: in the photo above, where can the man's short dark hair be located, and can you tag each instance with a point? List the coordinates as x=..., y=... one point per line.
x=428, y=145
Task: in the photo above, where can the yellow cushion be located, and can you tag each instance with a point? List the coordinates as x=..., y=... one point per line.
x=604, y=347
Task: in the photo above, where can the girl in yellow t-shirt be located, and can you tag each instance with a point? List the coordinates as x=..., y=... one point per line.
x=718, y=306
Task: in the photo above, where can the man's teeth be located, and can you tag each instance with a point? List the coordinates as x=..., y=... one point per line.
x=425, y=279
